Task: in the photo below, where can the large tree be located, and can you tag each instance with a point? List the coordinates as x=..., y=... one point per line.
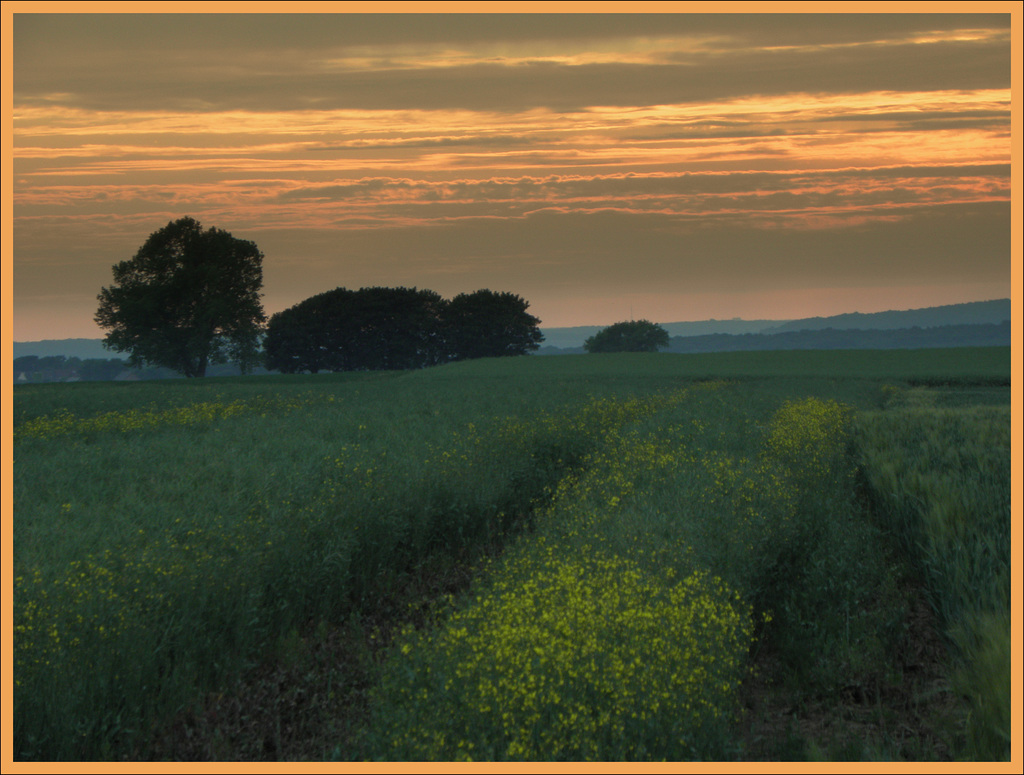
x=187, y=299
x=488, y=324
x=633, y=336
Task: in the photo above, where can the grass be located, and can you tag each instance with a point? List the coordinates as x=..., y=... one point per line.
x=171, y=537
x=941, y=479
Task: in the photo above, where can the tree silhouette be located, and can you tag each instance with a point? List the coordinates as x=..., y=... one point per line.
x=188, y=298
x=345, y=330
x=487, y=324
x=633, y=336
x=396, y=328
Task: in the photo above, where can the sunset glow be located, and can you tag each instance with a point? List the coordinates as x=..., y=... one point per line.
x=674, y=167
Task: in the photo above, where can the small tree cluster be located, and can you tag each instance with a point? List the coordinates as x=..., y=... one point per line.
x=396, y=328
x=632, y=336
x=190, y=298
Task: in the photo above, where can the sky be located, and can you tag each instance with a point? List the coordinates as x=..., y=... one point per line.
x=669, y=167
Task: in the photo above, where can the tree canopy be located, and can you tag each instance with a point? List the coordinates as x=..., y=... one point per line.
x=487, y=324
x=396, y=328
x=345, y=330
x=187, y=298
x=633, y=336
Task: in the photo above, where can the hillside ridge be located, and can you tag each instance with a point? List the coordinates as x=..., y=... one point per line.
x=968, y=313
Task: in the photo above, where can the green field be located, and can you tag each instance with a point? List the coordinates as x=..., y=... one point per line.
x=621, y=557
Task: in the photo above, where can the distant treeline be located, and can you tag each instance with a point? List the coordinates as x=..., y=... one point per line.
x=60, y=368
x=980, y=335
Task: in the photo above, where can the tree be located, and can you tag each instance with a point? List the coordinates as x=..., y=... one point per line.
x=399, y=328
x=94, y=369
x=343, y=330
x=188, y=298
x=396, y=328
x=295, y=339
x=633, y=336
x=487, y=324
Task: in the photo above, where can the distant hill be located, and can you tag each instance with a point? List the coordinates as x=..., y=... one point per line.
x=982, y=335
x=971, y=313
x=70, y=348
x=570, y=340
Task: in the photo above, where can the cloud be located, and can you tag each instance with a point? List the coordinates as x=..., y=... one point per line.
x=682, y=193
x=584, y=155
x=503, y=63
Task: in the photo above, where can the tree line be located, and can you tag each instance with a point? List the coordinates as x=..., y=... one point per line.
x=964, y=335
x=58, y=368
x=397, y=328
x=62, y=368
x=190, y=298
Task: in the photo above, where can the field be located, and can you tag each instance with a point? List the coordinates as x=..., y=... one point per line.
x=629, y=557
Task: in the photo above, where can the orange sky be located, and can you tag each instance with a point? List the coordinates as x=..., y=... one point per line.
x=672, y=167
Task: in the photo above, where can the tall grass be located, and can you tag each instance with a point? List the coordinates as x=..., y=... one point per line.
x=941, y=479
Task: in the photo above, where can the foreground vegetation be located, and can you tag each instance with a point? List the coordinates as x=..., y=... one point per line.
x=643, y=532
x=940, y=478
